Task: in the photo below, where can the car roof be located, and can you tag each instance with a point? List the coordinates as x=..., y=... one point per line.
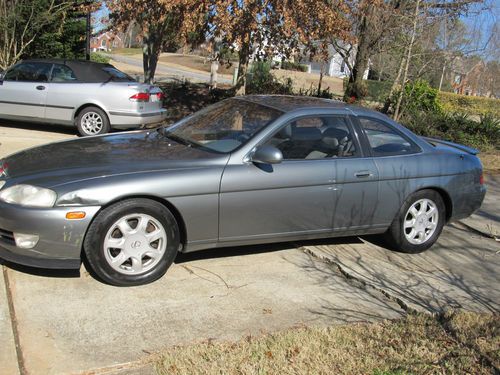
x=85, y=71
x=288, y=103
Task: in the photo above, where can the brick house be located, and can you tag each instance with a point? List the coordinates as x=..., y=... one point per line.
x=106, y=41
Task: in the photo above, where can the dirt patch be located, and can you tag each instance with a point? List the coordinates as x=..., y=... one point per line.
x=307, y=81
x=450, y=343
x=491, y=161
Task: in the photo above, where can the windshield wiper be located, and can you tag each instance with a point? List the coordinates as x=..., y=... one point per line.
x=186, y=142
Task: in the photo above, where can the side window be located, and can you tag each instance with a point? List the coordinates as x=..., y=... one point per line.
x=62, y=73
x=29, y=72
x=315, y=138
x=384, y=140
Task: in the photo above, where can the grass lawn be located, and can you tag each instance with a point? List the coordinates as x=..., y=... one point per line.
x=127, y=51
x=453, y=343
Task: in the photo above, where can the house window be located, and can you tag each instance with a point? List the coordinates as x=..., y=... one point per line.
x=342, y=66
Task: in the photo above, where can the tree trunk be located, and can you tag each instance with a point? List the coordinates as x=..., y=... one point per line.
x=241, y=82
x=150, y=54
x=442, y=77
x=356, y=87
x=407, y=63
x=214, y=67
x=321, y=74
x=394, y=85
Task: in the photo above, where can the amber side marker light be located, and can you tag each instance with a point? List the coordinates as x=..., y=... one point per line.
x=75, y=215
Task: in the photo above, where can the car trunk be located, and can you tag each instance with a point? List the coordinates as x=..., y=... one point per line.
x=141, y=97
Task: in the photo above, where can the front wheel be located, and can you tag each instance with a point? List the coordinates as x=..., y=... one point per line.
x=418, y=223
x=132, y=242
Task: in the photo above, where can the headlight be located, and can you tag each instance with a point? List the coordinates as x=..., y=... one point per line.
x=30, y=196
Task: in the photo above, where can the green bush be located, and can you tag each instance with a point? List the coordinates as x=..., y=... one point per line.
x=290, y=65
x=419, y=96
x=455, y=127
x=473, y=105
x=261, y=81
x=99, y=57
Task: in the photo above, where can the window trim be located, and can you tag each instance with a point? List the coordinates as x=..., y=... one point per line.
x=359, y=152
x=366, y=143
x=23, y=63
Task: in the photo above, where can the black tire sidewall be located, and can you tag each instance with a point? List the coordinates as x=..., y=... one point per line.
x=94, y=240
x=396, y=235
x=105, y=121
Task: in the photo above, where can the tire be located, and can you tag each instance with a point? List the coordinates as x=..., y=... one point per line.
x=92, y=121
x=122, y=254
x=414, y=233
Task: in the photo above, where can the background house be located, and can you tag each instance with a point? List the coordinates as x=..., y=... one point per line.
x=106, y=41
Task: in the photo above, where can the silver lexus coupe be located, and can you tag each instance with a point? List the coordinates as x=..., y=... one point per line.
x=91, y=96
x=246, y=170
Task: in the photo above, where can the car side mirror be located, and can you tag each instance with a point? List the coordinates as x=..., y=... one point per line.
x=267, y=155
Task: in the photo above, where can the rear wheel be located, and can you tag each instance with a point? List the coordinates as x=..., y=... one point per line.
x=418, y=223
x=92, y=121
x=133, y=242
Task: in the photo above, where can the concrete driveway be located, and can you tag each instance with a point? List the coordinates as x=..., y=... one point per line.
x=60, y=322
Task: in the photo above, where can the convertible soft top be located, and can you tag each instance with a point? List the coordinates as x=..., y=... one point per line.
x=85, y=71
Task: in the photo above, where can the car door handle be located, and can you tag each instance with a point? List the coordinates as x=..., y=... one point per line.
x=40, y=87
x=363, y=174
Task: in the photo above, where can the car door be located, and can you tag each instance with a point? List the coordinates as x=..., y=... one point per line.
x=297, y=196
x=63, y=95
x=394, y=156
x=23, y=91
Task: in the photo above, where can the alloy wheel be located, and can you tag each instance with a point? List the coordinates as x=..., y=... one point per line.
x=421, y=221
x=135, y=244
x=92, y=123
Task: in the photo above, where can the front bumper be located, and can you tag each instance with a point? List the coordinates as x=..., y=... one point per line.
x=60, y=242
x=122, y=119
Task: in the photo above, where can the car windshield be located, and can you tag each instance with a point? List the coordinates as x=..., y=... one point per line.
x=223, y=127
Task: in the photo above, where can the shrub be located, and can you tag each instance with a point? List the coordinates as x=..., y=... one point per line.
x=455, y=127
x=99, y=57
x=289, y=65
x=473, y=105
x=261, y=81
x=420, y=96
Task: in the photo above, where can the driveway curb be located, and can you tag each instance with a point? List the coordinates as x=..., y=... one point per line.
x=10, y=351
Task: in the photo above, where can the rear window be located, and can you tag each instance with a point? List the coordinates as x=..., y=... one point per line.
x=117, y=75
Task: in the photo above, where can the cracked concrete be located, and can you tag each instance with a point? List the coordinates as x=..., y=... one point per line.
x=460, y=271
x=70, y=323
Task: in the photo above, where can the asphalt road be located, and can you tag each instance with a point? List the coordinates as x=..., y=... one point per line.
x=59, y=322
x=172, y=72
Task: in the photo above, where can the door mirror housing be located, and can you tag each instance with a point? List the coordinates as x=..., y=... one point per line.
x=267, y=155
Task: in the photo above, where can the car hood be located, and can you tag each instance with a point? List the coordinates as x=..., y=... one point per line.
x=102, y=156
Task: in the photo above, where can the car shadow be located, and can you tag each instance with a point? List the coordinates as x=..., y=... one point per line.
x=48, y=128
x=226, y=252
x=43, y=272
x=181, y=258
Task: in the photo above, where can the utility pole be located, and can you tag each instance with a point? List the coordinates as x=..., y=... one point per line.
x=88, y=35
